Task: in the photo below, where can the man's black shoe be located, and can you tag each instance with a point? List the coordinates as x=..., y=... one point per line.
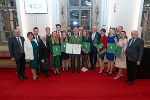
x=21, y=78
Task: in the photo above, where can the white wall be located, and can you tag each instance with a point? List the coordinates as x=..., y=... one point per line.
x=28, y=21
x=128, y=14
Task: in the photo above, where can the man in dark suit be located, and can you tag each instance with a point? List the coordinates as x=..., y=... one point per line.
x=134, y=53
x=36, y=35
x=38, y=40
x=80, y=30
x=58, y=30
x=93, y=54
x=69, y=32
x=16, y=50
x=48, y=35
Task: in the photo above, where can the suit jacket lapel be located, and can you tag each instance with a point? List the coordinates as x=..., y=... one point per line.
x=134, y=42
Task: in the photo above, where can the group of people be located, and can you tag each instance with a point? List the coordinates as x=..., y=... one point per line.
x=38, y=51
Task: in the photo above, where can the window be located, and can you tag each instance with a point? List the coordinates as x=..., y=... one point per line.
x=79, y=13
x=8, y=19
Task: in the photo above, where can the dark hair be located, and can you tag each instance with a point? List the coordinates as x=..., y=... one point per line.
x=63, y=32
x=125, y=34
x=68, y=26
x=35, y=28
x=58, y=25
x=47, y=28
x=103, y=30
x=80, y=26
x=29, y=33
x=121, y=27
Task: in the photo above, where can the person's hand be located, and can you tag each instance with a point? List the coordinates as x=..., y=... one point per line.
x=12, y=59
x=42, y=61
x=54, y=55
x=138, y=62
x=95, y=45
x=28, y=60
x=81, y=46
x=97, y=50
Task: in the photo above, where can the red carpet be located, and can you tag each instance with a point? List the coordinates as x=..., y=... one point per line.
x=67, y=86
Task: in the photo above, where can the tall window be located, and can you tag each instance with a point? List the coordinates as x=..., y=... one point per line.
x=145, y=24
x=79, y=13
x=8, y=19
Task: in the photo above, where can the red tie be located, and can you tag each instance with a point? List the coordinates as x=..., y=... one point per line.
x=58, y=35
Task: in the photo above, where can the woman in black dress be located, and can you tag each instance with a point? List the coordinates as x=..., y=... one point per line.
x=85, y=38
x=44, y=55
x=64, y=56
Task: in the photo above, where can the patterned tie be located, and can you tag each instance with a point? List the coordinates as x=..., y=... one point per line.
x=132, y=41
x=21, y=49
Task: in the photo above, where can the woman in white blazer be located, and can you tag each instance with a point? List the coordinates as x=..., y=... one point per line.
x=31, y=54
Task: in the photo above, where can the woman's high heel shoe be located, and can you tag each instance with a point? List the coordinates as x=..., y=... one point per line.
x=107, y=71
x=110, y=72
x=117, y=77
x=101, y=71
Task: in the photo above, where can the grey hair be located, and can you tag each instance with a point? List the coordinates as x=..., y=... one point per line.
x=75, y=29
x=135, y=31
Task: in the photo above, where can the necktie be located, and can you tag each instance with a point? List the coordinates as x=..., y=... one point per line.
x=93, y=36
x=58, y=35
x=132, y=41
x=21, y=50
x=37, y=39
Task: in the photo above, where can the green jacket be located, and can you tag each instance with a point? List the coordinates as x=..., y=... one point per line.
x=74, y=40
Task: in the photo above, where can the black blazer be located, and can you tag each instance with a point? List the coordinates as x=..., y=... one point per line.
x=14, y=48
x=44, y=51
x=98, y=36
x=48, y=38
x=135, y=51
x=39, y=39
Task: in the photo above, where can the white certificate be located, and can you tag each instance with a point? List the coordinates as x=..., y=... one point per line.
x=76, y=49
x=69, y=48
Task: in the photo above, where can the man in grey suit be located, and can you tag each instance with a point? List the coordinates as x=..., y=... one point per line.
x=16, y=50
x=134, y=53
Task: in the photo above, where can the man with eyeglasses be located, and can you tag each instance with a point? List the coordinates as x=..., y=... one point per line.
x=134, y=53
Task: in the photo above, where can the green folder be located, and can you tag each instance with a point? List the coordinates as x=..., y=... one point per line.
x=111, y=47
x=95, y=41
x=118, y=51
x=86, y=46
x=99, y=46
x=63, y=46
x=56, y=49
x=104, y=50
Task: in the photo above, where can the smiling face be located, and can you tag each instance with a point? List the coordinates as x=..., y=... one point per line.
x=17, y=32
x=111, y=31
x=48, y=30
x=58, y=28
x=54, y=34
x=68, y=28
x=36, y=32
x=44, y=38
x=84, y=33
x=64, y=35
x=134, y=34
x=30, y=37
x=119, y=29
x=123, y=35
x=75, y=32
x=94, y=29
